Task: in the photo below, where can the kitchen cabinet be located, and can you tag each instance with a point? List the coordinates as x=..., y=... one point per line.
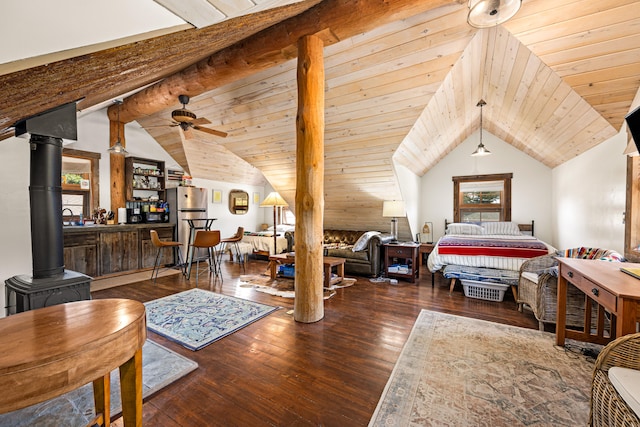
x=103, y=250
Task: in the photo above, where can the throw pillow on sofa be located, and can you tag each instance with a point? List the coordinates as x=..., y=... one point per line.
x=363, y=240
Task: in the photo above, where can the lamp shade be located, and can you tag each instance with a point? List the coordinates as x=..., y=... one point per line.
x=273, y=199
x=489, y=13
x=393, y=208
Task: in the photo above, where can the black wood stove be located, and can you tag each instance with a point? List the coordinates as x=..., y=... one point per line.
x=49, y=284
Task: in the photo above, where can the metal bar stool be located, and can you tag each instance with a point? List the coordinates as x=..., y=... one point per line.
x=207, y=239
x=231, y=243
x=161, y=244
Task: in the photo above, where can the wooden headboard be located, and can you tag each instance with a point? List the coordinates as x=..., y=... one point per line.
x=524, y=228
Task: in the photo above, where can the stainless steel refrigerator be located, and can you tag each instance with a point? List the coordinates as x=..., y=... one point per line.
x=186, y=203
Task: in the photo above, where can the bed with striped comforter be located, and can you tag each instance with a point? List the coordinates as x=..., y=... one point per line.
x=505, y=252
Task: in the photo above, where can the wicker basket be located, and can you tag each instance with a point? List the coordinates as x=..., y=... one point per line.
x=484, y=290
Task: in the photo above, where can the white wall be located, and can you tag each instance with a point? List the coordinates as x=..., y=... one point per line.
x=410, y=189
x=589, y=194
x=530, y=191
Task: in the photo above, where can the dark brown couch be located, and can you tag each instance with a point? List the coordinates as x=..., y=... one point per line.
x=366, y=262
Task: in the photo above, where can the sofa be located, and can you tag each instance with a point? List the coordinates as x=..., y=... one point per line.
x=362, y=250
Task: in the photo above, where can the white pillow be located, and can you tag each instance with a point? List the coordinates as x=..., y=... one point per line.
x=363, y=240
x=627, y=383
x=501, y=227
x=464, y=228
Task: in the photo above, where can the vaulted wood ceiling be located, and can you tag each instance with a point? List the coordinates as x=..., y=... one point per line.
x=558, y=79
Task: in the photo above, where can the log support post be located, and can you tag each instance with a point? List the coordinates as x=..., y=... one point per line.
x=116, y=162
x=309, y=200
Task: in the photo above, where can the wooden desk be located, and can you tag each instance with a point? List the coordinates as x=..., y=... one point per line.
x=604, y=283
x=53, y=350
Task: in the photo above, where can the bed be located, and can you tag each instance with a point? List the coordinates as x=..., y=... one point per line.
x=488, y=252
x=262, y=241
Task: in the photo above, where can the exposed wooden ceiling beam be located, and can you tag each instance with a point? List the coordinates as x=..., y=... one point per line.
x=99, y=76
x=270, y=47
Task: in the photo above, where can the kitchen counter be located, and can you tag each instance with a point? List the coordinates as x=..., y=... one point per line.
x=101, y=250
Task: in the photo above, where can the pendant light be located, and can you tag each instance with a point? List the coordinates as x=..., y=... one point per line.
x=489, y=13
x=481, y=150
x=118, y=148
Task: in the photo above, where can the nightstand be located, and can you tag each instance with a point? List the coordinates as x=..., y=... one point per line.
x=401, y=260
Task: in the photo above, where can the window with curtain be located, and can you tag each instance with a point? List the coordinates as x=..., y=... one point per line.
x=479, y=198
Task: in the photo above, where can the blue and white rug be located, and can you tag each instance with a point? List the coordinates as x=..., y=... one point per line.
x=160, y=367
x=196, y=318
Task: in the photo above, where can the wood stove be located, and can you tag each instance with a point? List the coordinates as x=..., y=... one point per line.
x=50, y=284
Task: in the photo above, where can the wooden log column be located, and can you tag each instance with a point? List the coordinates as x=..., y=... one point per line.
x=309, y=201
x=116, y=163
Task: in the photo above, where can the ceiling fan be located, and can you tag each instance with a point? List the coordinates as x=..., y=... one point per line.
x=186, y=120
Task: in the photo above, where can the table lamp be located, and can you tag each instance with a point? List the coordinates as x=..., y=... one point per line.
x=393, y=209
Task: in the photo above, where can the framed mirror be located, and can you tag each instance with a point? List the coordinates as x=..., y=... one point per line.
x=238, y=202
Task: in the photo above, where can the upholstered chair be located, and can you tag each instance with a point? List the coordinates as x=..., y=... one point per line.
x=538, y=285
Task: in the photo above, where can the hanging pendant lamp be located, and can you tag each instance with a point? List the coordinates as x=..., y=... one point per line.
x=489, y=13
x=118, y=148
x=481, y=150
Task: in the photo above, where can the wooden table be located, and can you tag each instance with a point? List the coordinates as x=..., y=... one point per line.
x=53, y=350
x=603, y=283
x=328, y=262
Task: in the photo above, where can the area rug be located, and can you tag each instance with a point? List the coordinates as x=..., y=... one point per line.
x=196, y=318
x=284, y=287
x=457, y=371
x=160, y=367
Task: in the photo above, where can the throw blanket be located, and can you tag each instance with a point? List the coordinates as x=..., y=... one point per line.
x=488, y=251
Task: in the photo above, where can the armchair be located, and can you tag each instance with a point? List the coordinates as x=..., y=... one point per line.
x=538, y=286
x=609, y=407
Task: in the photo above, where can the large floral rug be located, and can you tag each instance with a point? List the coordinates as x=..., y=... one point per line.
x=456, y=371
x=196, y=318
x=160, y=367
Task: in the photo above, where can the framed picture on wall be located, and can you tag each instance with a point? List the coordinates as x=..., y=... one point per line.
x=217, y=196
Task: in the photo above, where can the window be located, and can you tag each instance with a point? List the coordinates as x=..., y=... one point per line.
x=480, y=198
x=79, y=183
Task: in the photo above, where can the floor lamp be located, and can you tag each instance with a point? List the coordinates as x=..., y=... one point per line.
x=274, y=199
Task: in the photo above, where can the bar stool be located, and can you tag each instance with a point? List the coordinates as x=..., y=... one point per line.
x=231, y=243
x=207, y=239
x=161, y=244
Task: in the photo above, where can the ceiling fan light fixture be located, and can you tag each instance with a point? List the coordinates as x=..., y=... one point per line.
x=183, y=115
x=489, y=13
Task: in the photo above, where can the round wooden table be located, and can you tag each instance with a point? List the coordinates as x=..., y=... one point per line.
x=53, y=350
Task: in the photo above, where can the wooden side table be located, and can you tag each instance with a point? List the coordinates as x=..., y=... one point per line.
x=56, y=349
x=403, y=253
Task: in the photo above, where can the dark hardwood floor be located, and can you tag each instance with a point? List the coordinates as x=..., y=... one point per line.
x=277, y=372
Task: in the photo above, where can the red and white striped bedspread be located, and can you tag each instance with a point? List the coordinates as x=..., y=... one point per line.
x=506, y=252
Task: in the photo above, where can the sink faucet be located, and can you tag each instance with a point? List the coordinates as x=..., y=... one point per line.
x=70, y=212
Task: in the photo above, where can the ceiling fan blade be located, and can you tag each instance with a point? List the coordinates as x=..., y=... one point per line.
x=211, y=131
x=200, y=121
x=187, y=133
x=183, y=138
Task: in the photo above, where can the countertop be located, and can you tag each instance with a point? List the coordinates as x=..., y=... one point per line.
x=113, y=228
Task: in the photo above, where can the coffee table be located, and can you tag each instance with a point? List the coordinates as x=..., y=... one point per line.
x=328, y=262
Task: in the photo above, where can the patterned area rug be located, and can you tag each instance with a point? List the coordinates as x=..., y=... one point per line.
x=196, y=318
x=160, y=367
x=457, y=371
x=284, y=287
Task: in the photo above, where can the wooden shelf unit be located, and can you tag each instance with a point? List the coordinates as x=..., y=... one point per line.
x=143, y=176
